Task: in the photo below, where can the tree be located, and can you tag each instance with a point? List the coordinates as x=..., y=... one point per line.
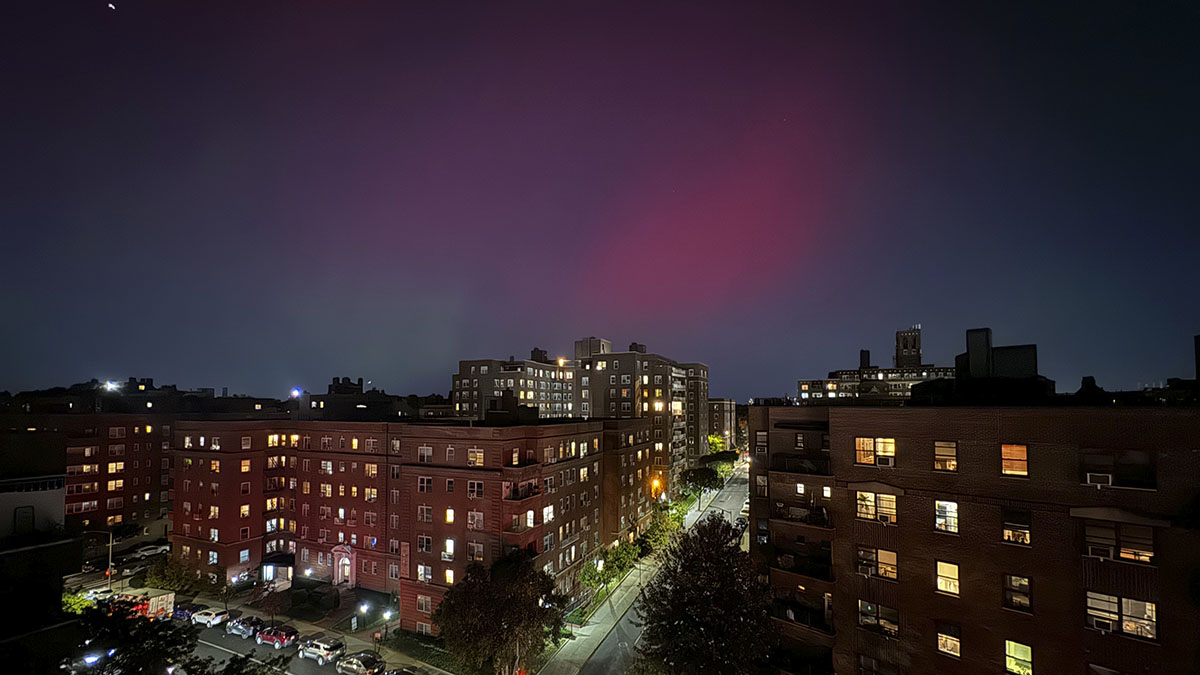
x=716, y=444
x=171, y=574
x=501, y=619
x=268, y=598
x=706, y=610
x=722, y=462
x=658, y=534
x=592, y=574
x=76, y=603
x=698, y=480
x=621, y=558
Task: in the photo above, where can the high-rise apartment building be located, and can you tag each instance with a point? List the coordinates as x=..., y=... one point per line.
x=872, y=383
x=601, y=383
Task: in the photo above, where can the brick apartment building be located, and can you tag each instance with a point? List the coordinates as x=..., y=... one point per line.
x=545, y=383
x=404, y=508
x=114, y=440
x=980, y=538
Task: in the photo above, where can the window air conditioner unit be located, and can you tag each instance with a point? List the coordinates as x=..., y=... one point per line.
x=1099, y=479
x=885, y=461
x=1101, y=552
x=885, y=518
x=1101, y=624
x=866, y=570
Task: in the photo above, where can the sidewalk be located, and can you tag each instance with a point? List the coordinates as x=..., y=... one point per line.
x=307, y=630
x=571, y=656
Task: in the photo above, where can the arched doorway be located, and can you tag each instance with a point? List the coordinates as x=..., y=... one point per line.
x=343, y=565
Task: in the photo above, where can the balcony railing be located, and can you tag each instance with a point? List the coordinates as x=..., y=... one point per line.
x=817, y=516
x=813, y=466
x=518, y=495
x=803, y=615
x=816, y=567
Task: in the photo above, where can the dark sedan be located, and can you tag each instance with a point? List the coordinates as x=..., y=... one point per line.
x=185, y=611
x=245, y=627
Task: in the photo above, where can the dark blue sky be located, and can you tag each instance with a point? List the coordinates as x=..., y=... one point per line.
x=258, y=195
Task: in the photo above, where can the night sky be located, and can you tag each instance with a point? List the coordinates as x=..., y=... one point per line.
x=266, y=194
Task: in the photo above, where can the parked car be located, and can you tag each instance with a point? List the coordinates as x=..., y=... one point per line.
x=323, y=650
x=278, y=636
x=360, y=663
x=245, y=627
x=741, y=523
x=210, y=617
x=133, y=568
x=100, y=594
x=149, y=550
x=185, y=611
x=90, y=658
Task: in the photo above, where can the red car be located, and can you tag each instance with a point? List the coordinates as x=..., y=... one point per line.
x=277, y=636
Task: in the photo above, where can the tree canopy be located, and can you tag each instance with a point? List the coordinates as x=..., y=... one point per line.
x=697, y=480
x=706, y=610
x=716, y=443
x=500, y=619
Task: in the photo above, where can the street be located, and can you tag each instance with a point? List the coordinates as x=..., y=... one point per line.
x=616, y=652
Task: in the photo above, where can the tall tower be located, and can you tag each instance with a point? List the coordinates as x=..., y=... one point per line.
x=908, y=347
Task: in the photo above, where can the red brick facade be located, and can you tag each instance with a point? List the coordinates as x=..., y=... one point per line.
x=1030, y=539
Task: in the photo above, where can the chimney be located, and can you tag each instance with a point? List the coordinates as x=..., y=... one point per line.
x=864, y=358
x=637, y=347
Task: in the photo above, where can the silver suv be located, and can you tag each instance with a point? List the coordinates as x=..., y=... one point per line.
x=323, y=650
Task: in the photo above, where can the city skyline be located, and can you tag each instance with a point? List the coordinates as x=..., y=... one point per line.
x=266, y=196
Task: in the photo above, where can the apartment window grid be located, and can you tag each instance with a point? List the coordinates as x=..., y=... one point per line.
x=1018, y=593
x=1014, y=460
x=945, y=516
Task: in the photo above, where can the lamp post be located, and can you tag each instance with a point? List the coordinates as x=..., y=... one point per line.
x=108, y=570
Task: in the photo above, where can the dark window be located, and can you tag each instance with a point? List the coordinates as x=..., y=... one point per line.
x=1017, y=527
x=1119, y=468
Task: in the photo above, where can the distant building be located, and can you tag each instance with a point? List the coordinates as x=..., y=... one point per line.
x=722, y=420
x=540, y=382
x=600, y=383
x=873, y=384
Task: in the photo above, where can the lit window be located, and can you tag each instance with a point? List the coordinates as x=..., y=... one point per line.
x=449, y=577
x=877, y=618
x=244, y=511
x=245, y=466
x=945, y=516
x=949, y=639
x=799, y=488
x=947, y=578
x=1014, y=460
x=864, y=451
x=945, y=455
x=449, y=515
x=1017, y=593
x=826, y=492
x=878, y=563
x=1018, y=658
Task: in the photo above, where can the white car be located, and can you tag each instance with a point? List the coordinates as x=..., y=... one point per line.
x=152, y=549
x=210, y=617
x=100, y=594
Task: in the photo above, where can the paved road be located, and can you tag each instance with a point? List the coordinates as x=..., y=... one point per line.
x=613, y=655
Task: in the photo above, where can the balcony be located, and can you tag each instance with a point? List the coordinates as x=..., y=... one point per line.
x=521, y=494
x=815, y=516
x=805, y=564
x=799, y=614
x=812, y=466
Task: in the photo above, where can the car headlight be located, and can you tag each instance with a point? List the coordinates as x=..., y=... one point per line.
x=91, y=658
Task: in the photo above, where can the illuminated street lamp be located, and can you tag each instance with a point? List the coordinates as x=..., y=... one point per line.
x=363, y=608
